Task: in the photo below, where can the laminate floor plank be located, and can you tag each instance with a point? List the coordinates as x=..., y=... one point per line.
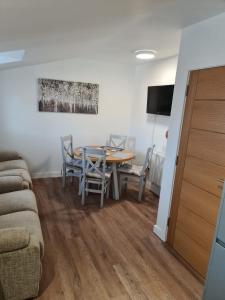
x=106, y=254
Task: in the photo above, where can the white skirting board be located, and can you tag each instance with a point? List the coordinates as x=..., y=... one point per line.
x=160, y=233
x=46, y=174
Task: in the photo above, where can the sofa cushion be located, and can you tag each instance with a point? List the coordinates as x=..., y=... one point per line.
x=13, y=164
x=12, y=239
x=19, y=172
x=20, y=272
x=9, y=155
x=26, y=219
x=11, y=183
x=17, y=201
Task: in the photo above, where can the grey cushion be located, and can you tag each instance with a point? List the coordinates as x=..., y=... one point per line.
x=97, y=176
x=131, y=170
x=19, y=172
x=17, y=201
x=76, y=162
x=13, y=164
x=26, y=219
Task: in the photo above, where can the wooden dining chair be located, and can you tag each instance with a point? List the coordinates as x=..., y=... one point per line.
x=96, y=176
x=116, y=140
x=72, y=166
x=136, y=173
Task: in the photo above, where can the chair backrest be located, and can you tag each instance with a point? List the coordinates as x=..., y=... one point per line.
x=116, y=140
x=67, y=148
x=148, y=160
x=94, y=161
x=131, y=144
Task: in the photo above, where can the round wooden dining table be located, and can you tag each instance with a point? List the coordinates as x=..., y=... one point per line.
x=113, y=157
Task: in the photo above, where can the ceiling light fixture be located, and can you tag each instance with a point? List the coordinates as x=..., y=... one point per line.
x=11, y=56
x=145, y=54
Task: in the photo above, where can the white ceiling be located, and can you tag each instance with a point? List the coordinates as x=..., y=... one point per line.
x=97, y=29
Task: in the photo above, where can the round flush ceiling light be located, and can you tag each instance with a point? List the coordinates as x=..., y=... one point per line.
x=145, y=54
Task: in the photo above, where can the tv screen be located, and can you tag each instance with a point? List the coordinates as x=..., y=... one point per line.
x=160, y=99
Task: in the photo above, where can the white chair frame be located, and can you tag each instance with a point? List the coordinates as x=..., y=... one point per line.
x=131, y=143
x=116, y=140
x=142, y=178
x=72, y=167
x=94, y=173
x=131, y=146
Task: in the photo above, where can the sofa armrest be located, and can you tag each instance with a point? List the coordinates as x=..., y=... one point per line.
x=12, y=239
x=10, y=183
x=20, y=271
x=9, y=155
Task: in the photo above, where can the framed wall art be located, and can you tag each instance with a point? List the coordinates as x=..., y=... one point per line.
x=67, y=96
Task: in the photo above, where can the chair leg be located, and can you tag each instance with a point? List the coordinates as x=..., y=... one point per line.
x=64, y=175
x=80, y=188
x=86, y=189
x=83, y=192
x=141, y=189
x=102, y=194
x=120, y=185
x=107, y=189
x=125, y=183
x=102, y=199
x=144, y=187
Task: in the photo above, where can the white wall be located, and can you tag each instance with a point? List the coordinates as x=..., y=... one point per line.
x=202, y=46
x=36, y=135
x=122, y=109
x=147, y=128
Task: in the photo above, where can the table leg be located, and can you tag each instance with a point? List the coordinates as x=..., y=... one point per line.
x=115, y=182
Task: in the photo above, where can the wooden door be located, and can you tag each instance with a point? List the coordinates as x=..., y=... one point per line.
x=201, y=162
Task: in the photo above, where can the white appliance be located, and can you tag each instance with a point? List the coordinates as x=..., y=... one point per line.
x=215, y=280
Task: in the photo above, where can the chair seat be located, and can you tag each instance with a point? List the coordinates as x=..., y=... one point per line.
x=23, y=200
x=97, y=176
x=75, y=163
x=131, y=170
x=27, y=219
x=74, y=172
x=24, y=174
x=75, y=166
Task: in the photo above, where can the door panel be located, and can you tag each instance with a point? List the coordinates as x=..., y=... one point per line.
x=209, y=115
x=195, y=227
x=211, y=84
x=196, y=194
x=198, y=146
x=191, y=252
x=200, y=202
x=203, y=174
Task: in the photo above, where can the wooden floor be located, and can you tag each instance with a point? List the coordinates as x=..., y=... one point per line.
x=108, y=253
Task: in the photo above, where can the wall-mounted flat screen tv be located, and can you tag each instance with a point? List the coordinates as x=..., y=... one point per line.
x=160, y=99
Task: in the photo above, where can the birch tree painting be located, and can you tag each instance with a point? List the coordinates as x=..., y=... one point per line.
x=67, y=96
